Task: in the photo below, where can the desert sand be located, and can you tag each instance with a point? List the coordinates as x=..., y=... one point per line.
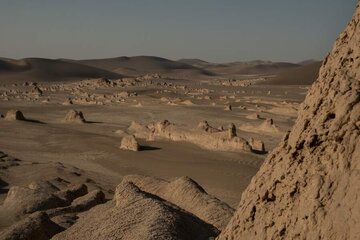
x=150, y=125
x=150, y=148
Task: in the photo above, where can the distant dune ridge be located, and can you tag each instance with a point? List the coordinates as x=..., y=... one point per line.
x=143, y=65
x=249, y=68
x=40, y=69
x=303, y=75
x=196, y=62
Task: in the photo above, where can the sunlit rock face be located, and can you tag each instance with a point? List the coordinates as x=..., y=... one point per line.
x=309, y=186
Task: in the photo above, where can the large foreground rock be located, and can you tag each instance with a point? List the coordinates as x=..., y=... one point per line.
x=309, y=186
x=187, y=194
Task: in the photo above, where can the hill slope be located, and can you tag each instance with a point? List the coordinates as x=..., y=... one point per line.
x=139, y=65
x=196, y=62
x=249, y=68
x=40, y=69
x=303, y=75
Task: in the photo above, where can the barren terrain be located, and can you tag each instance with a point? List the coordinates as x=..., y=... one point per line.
x=150, y=148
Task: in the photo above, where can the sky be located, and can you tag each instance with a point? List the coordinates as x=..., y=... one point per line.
x=212, y=30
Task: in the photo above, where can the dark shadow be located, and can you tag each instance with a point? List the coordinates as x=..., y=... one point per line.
x=4, y=190
x=91, y=122
x=3, y=187
x=3, y=183
x=148, y=148
x=28, y=120
x=34, y=121
x=259, y=152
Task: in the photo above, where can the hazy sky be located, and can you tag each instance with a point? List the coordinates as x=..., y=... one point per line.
x=213, y=30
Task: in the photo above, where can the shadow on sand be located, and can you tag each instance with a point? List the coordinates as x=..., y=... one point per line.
x=148, y=148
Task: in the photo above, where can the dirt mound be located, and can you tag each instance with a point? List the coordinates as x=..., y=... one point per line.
x=308, y=187
x=44, y=196
x=59, y=190
x=36, y=226
x=187, y=194
x=22, y=200
x=13, y=115
x=136, y=214
x=74, y=116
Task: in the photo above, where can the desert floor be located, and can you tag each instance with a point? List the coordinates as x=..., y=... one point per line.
x=93, y=147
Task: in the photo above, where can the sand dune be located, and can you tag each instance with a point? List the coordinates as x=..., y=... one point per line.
x=196, y=62
x=40, y=69
x=303, y=75
x=249, y=68
x=144, y=65
x=308, y=62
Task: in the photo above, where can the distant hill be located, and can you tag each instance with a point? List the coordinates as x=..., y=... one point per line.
x=196, y=62
x=40, y=69
x=308, y=62
x=253, y=67
x=139, y=65
x=303, y=75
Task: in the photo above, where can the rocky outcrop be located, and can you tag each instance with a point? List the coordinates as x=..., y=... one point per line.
x=129, y=143
x=36, y=226
x=13, y=115
x=22, y=200
x=57, y=198
x=187, y=194
x=257, y=145
x=74, y=116
x=266, y=127
x=203, y=135
x=137, y=214
x=309, y=186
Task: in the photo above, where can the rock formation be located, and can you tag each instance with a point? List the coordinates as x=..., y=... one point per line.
x=44, y=204
x=228, y=108
x=13, y=115
x=187, y=194
x=257, y=145
x=74, y=116
x=37, y=226
x=267, y=127
x=309, y=186
x=129, y=143
x=203, y=135
x=253, y=116
x=137, y=214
